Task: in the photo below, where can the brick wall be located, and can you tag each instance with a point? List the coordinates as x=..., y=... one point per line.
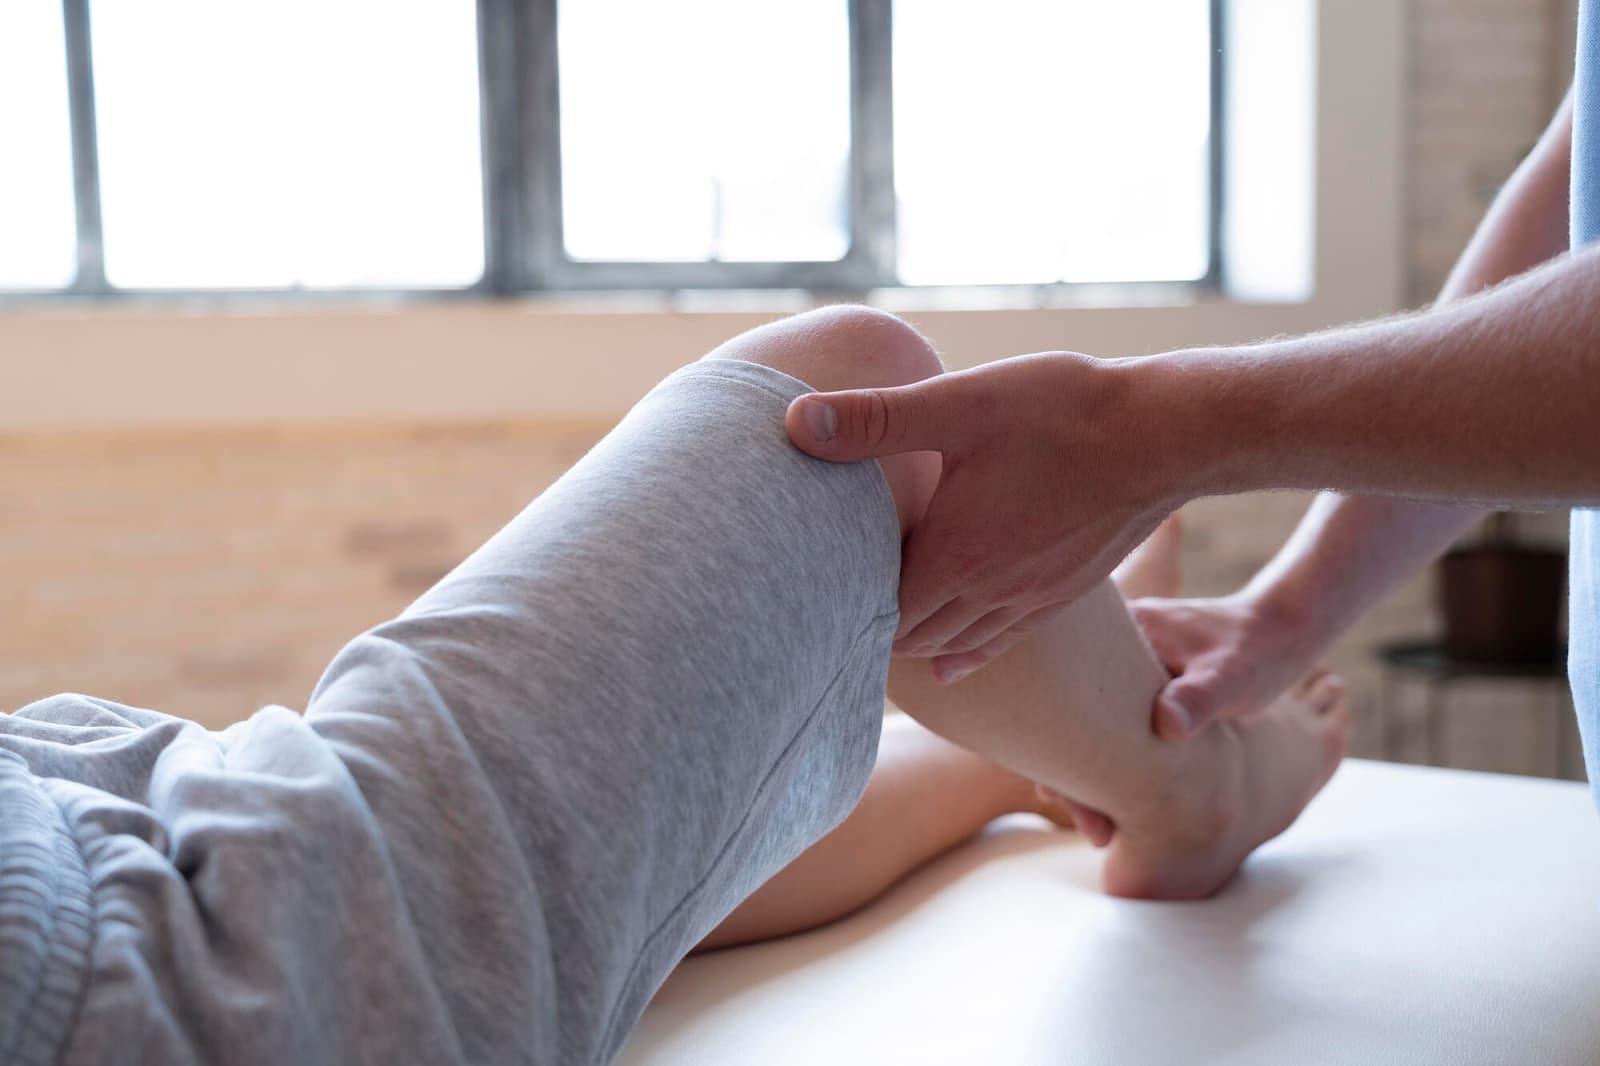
x=1485, y=77
x=208, y=572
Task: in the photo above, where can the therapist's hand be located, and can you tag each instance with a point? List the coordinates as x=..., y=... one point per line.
x=1230, y=656
x=1046, y=484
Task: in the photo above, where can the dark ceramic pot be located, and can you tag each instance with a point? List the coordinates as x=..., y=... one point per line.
x=1502, y=603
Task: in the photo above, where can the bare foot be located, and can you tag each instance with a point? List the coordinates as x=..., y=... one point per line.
x=1272, y=764
x=1152, y=569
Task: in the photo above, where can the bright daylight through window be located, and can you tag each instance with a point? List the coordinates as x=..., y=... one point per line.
x=37, y=231
x=712, y=149
x=296, y=143
x=1051, y=141
x=841, y=145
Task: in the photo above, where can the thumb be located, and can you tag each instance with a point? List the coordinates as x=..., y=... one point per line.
x=845, y=427
x=1185, y=705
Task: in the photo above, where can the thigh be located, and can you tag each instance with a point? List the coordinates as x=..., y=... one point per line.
x=644, y=696
x=508, y=812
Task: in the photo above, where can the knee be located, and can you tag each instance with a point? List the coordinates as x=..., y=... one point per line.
x=853, y=347
x=867, y=348
x=846, y=346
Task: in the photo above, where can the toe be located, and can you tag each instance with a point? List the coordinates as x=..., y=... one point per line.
x=1307, y=685
x=1327, y=693
x=1333, y=718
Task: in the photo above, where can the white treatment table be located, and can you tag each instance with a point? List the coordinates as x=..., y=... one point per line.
x=1411, y=916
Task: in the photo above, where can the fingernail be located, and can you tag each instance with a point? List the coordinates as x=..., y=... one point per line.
x=949, y=675
x=820, y=420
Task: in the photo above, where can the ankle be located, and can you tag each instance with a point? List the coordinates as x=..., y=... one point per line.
x=1179, y=849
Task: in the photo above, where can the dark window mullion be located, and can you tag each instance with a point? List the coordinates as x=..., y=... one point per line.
x=91, y=273
x=1216, y=192
x=872, y=205
x=539, y=138
x=523, y=243
x=505, y=207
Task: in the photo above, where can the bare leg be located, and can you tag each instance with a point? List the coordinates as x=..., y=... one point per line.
x=926, y=796
x=1070, y=709
x=1154, y=567
x=852, y=348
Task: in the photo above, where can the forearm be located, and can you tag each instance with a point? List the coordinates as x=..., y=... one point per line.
x=1348, y=553
x=1487, y=399
x=1351, y=551
x=1491, y=401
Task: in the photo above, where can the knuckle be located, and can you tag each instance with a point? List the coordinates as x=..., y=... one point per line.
x=1017, y=633
x=878, y=415
x=1015, y=591
x=960, y=645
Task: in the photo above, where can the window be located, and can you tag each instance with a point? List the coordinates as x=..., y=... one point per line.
x=301, y=143
x=1068, y=142
x=510, y=146
x=702, y=151
x=37, y=231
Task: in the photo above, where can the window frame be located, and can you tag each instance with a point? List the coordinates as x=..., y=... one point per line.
x=520, y=130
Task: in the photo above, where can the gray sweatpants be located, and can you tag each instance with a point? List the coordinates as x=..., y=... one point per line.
x=507, y=813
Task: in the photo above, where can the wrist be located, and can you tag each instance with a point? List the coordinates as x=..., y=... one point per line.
x=1298, y=606
x=1208, y=424
x=1285, y=610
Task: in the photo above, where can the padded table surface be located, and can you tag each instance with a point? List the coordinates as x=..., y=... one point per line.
x=1411, y=916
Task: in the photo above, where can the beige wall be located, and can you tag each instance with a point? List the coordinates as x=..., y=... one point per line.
x=198, y=506
x=1485, y=77
x=206, y=572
